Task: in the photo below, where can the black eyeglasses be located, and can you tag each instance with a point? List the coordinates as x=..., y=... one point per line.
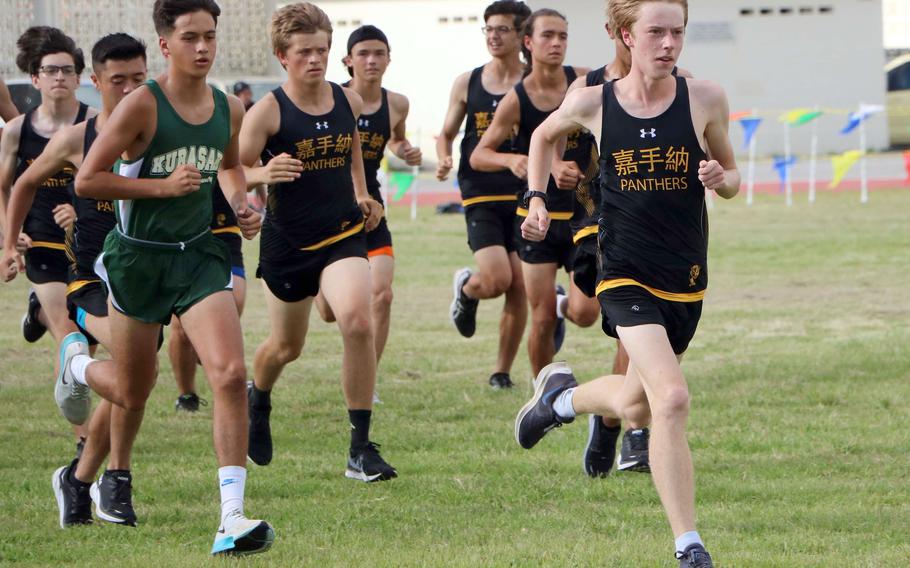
x=497, y=30
x=53, y=70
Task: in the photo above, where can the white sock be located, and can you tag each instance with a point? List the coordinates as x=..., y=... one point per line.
x=563, y=404
x=686, y=540
x=561, y=300
x=78, y=365
x=231, y=479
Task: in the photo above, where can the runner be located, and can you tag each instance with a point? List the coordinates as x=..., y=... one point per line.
x=662, y=140
x=162, y=259
x=305, y=132
x=381, y=123
x=545, y=36
x=119, y=67
x=54, y=63
x=489, y=198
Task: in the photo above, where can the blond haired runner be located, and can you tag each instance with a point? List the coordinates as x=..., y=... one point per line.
x=663, y=140
x=319, y=210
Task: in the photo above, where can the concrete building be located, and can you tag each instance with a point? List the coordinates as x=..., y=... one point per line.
x=771, y=56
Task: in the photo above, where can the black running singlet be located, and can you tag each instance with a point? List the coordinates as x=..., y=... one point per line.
x=224, y=220
x=318, y=208
x=39, y=223
x=560, y=203
x=94, y=220
x=483, y=187
x=375, y=130
x=653, y=230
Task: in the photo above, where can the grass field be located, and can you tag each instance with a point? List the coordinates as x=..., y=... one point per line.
x=800, y=375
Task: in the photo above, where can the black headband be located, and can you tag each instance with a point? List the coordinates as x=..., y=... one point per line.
x=366, y=33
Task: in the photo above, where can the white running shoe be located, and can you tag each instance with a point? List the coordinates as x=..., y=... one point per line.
x=239, y=536
x=73, y=398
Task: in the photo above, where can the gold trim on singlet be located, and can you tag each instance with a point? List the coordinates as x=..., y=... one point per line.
x=487, y=199
x=332, y=240
x=589, y=230
x=669, y=296
x=232, y=229
x=554, y=215
x=50, y=245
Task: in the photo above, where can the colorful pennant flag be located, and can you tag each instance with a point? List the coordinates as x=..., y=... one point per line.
x=855, y=118
x=750, y=125
x=841, y=164
x=799, y=116
x=740, y=114
x=782, y=165
x=402, y=180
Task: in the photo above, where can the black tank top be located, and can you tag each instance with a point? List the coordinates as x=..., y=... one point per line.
x=653, y=229
x=319, y=207
x=375, y=130
x=39, y=223
x=483, y=187
x=560, y=203
x=94, y=220
x=224, y=220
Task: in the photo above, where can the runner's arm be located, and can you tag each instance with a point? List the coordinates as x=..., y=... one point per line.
x=262, y=121
x=399, y=144
x=719, y=173
x=9, y=145
x=458, y=103
x=372, y=210
x=485, y=157
x=8, y=110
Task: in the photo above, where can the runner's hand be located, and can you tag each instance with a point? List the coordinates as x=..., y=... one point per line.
x=282, y=169
x=11, y=264
x=372, y=213
x=249, y=222
x=534, y=227
x=64, y=216
x=519, y=166
x=566, y=174
x=185, y=179
x=23, y=243
x=711, y=174
x=412, y=156
x=443, y=168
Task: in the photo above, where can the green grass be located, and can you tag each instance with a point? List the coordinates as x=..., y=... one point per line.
x=800, y=375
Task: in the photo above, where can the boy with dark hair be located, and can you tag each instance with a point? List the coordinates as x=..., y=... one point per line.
x=176, y=135
x=488, y=198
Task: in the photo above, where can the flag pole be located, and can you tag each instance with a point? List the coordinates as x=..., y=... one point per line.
x=415, y=185
x=788, y=183
x=863, y=179
x=813, y=161
x=750, y=174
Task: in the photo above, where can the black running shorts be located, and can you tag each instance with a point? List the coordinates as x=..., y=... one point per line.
x=86, y=298
x=629, y=306
x=44, y=264
x=379, y=240
x=235, y=246
x=557, y=247
x=584, y=265
x=491, y=224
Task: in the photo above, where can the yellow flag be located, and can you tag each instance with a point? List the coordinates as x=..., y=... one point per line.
x=841, y=165
x=791, y=116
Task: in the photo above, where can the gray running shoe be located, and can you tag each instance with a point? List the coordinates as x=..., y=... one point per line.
x=73, y=398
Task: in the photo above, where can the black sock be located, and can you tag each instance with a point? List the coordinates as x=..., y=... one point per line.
x=260, y=399
x=360, y=428
x=71, y=473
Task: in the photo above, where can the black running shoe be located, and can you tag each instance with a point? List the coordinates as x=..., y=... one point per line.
x=633, y=455
x=32, y=329
x=537, y=417
x=190, y=402
x=463, y=309
x=113, y=498
x=80, y=445
x=600, y=451
x=695, y=556
x=367, y=465
x=559, y=334
x=260, y=448
x=501, y=381
x=73, y=498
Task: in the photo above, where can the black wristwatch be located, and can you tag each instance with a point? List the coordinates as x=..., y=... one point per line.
x=526, y=200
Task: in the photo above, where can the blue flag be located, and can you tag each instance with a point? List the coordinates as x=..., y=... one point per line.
x=782, y=165
x=750, y=125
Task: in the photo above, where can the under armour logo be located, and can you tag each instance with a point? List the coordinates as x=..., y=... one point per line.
x=363, y=123
x=635, y=308
x=325, y=124
x=495, y=104
x=652, y=133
